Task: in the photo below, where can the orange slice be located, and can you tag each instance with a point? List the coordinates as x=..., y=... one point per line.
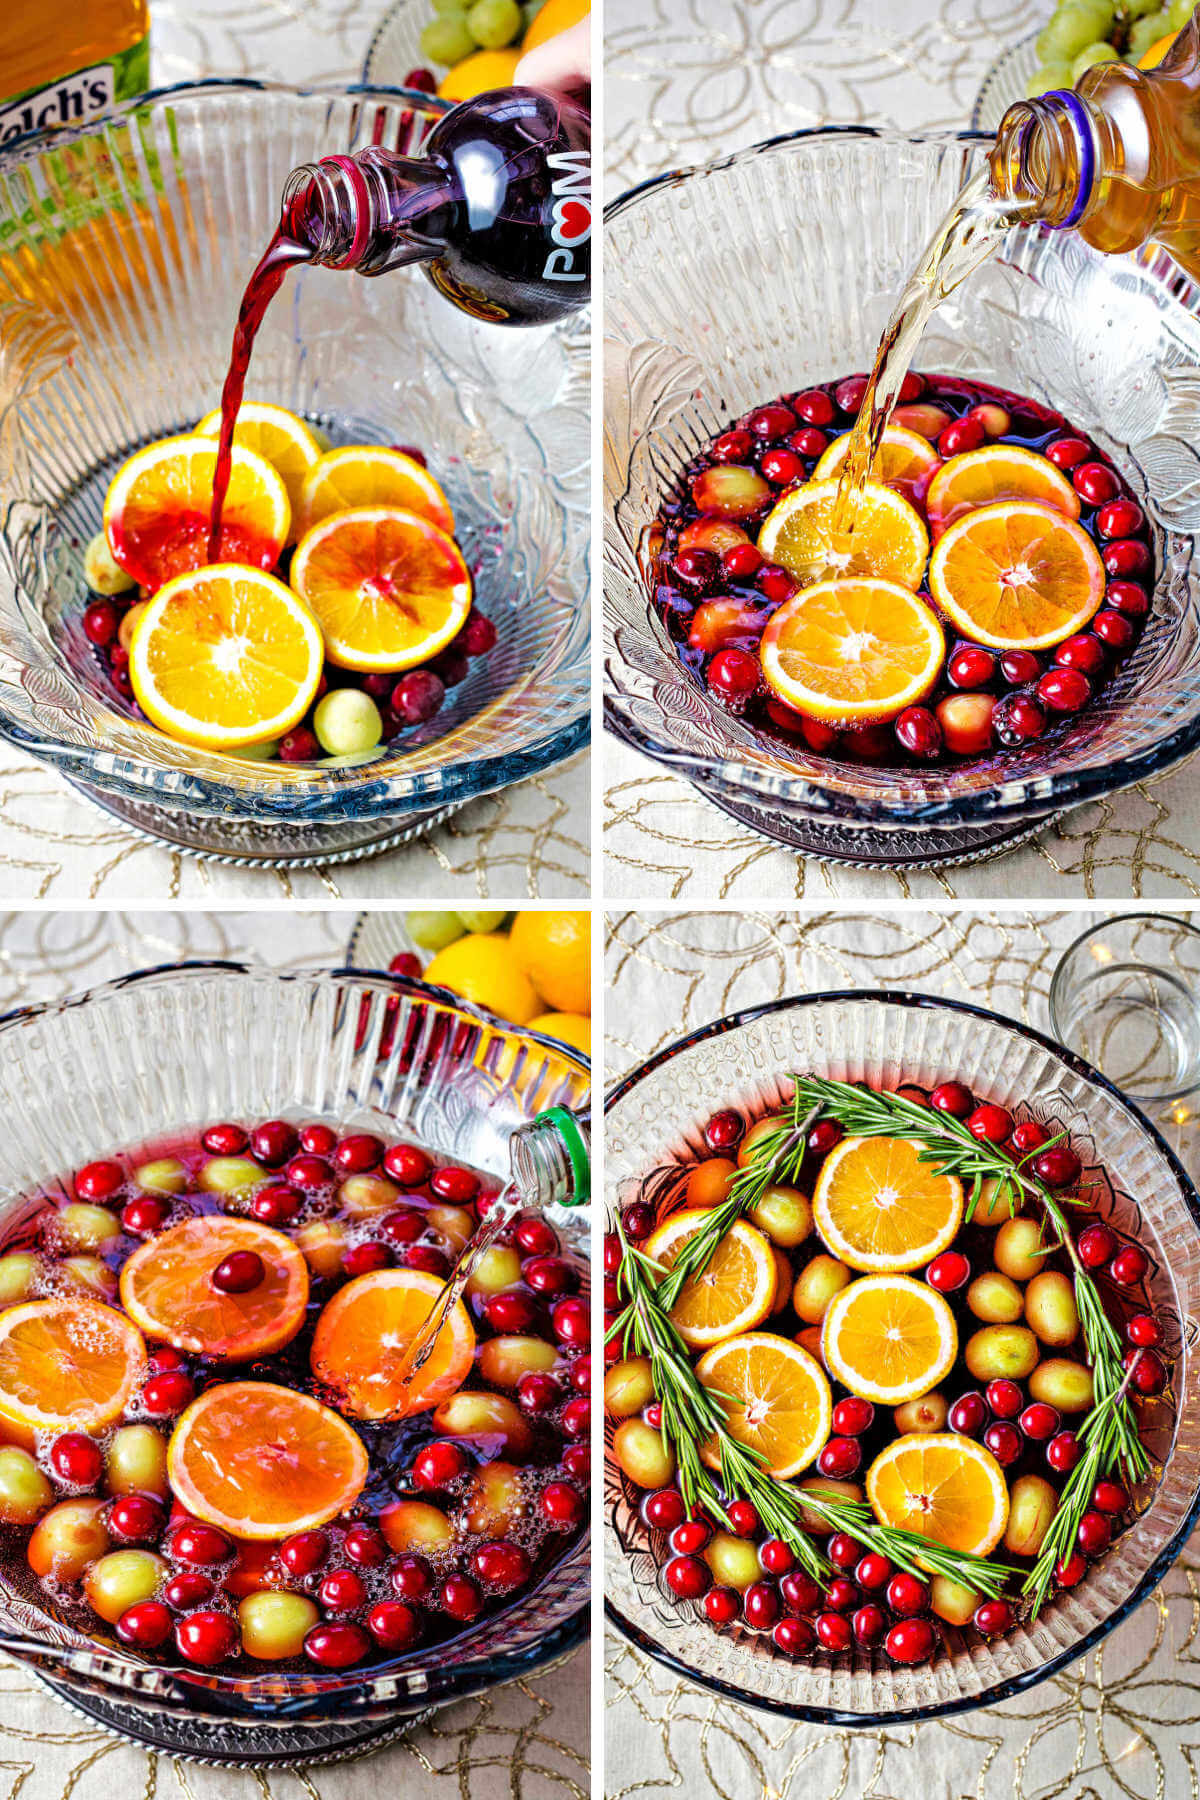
x=225, y=656
x=775, y=1398
x=888, y=540
x=371, y=475
x=389, y=588
x=69, y=1364
x=852, y=650
x=997, y=472
x=888, y=1338
x=1017, y=576
x=906, y=461
x=879, y=1208
x=287, y=443
x=734, y=1293
x=943, y=1487
x=360, y=1347
x=158, y=510
x=166, y=1286
x=261, y=1461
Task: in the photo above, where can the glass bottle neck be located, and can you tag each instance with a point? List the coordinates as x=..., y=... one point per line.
x=1046, y=159
x=337, y=206
x=550, y=1159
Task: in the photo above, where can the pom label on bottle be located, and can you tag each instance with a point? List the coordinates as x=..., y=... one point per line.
x=570, y=215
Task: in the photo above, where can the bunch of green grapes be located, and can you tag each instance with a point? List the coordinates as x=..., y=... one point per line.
x=457, y=30
x=434, y=930
x=1082, y=33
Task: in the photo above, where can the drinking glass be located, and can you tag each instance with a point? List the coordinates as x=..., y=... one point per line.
x=1126, y=996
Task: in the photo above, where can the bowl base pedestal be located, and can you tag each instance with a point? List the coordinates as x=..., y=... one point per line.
x=240, y=844
x=863, y=848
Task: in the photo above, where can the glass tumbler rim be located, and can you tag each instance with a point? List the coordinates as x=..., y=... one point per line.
x=1058, y=980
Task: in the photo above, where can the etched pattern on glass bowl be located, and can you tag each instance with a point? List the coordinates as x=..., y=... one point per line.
x=654, y=1117
x=777, y=267
x=175, y=1048
x=126, y=247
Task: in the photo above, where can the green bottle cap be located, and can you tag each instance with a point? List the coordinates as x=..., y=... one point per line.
x=567, y=1126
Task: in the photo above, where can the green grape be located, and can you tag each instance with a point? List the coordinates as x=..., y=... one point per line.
x=1072, y=29
x=260, y=752
x=1050, y=75
x=494, y=23
x=529, y=12
x=433, y=930
x=481, y=921
x=347, y=722
x=448, y=39
x=1179, y=13
x=1145, y=32
x=1139, y=9
x=1087, y=59
x=448, y=6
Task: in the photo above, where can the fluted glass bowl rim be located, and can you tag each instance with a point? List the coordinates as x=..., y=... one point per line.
x=1030, y=797
x=301, y=795
x=317, y=1692
x=1172, y=1549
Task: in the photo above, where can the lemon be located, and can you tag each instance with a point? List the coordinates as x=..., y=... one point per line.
x=555, y=951
x=481, y=968
x=555, y=16
x=478, y=73
x=568, y=1027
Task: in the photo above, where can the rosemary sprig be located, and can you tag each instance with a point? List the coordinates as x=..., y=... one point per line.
x=1097, y=1436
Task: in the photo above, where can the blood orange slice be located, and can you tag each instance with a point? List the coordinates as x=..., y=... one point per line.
x=261, y=1461
x=888, y=541
x=158, y=510
x=994, y=473
x=361, y=1344
x=389, y=588
x=852, y=650
x=1017, y=576
x=69, y=1364
x=166, y=1286
x=906, y=461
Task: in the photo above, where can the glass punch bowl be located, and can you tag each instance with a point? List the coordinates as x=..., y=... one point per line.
x=776, y=267
x=124, y=250
x=655, y=1117
x=174, y=1048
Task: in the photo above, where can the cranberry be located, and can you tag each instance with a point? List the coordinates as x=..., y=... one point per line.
x=722, y=1605
x=98, y=1181
x=572, y=1323
x=275, y=1205
x=775, y=584
x=770, y=422
x=919, y=733
x=912, y=1641
x=724, y=1130
x=411, y=1577
x=776, y=1557
x=1094, y=1534
x=167, y=1394
x=318, y=1139
x=308, y=1173
x=964, y=434
x=1148, y=1373
x=273, y=1142
x=1004, y=1397
x=1018, y=719
x=809, y=442
x=906, y=1595
x=970, y=666
x=77, y=1459
x=477, y=637
x=816, y=734
x=966, y=722
x=407, y=1165
x=664, y=1509
x=1039, y=1422
x=100, y=623
x=761, y=1605
x=1064, y=690
x=993, y=1617
x=1067, y=453
x=304, y=1552
x=842, y=1550
x=814, y=406
x=1069, y=1571
x=188, y=1589
x=1058, y=1167
x=1126, y=559
x=948, y=1271
x=436, y=1465
x=799, y=1592
x=742, y=1518
x=239, y=1273
x=225, y=1140
x=1019, y=667
x=198, y=1543
x=458, y=1186
x=741, y=562
x=144, y=1626
x=873, y=1571
x=824, y=1136
x=968, y=1413
x=991, y=1124
x=1128, y=598
x=1120, y=519
x=1027, y=1136
x=358, y=1153
x=1114, y=629
x=732, y=674
x=687, y=1577
x=336, y=1644
x=849, y=393
x=560, y=1504
x=149, y=1212
x=365, y=1546
x=781, y=466
x=206, y=1637
x=535, y=1237
x=576, y=1421
x=1096, y=1245
x=795, y=1637
x=341, y=1591
x=1095, y=483
x=1109, y=1497
x=393, y=1625
x=840, y=1457
x=953, y=1098
x=869, y=1624
x=696, y=571
x=690, y=1537
x=1143, y=1331
x=576, y=1460
x=417, y=696
x=1062, y=1452
x=732, y=446
x=364, y=1259
x=1129, y=1266
x=135, y=1519
x=1004, y=1442
x=852, y=1416
x=834, y=1632
x=841, y=1594
x=550, y=1275
x=427, y=1258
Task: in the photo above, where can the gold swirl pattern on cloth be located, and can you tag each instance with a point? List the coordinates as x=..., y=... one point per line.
x=526, y=1741
x=1122, y=1723
x=689, y=81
